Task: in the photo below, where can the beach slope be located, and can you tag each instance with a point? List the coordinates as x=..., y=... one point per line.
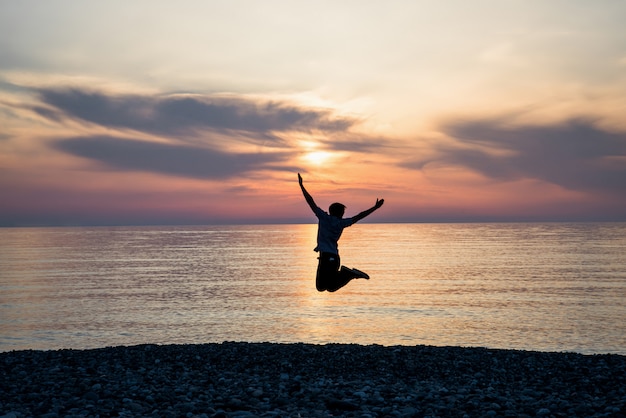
x=285, y=380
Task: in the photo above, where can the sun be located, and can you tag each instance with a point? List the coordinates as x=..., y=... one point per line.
x=317, y=157
x=312, y=153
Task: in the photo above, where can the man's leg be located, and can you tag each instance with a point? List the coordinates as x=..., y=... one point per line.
x=342, y=278
x=327, y=269
x=358, y=274
x=330, y=277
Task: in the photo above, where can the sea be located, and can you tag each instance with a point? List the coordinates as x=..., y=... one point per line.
x=524, y=286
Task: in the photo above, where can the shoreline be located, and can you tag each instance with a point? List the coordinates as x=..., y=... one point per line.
x=238, y=379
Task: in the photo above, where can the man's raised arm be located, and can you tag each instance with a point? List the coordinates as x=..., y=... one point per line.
x=368, y=212
x=307, y=196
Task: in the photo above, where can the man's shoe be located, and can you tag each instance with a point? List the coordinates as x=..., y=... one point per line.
x=360, y=274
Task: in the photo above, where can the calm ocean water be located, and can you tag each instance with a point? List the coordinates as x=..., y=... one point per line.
x=547, y=287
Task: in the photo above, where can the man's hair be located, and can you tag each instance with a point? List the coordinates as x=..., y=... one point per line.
x=337, y=209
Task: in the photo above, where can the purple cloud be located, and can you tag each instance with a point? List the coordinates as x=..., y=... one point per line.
x=178, y=160
x=576, y=154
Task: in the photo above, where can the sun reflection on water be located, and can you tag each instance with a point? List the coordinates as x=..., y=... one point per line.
x=543, y=287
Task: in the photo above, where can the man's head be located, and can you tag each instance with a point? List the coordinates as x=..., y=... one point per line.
x=337, y=209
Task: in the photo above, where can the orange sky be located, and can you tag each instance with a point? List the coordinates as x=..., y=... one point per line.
x=204, y=112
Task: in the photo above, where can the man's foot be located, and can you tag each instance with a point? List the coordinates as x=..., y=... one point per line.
x=360, y=274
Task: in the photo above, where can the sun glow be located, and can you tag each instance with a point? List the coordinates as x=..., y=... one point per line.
x=312, y=153
x=318, y=157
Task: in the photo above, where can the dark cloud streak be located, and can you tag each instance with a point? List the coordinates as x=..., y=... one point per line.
x=354, y=144
x=186, y=114
x=178, y=160
x=576, y=154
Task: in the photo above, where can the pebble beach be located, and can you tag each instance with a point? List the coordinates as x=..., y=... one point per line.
x=304, y=380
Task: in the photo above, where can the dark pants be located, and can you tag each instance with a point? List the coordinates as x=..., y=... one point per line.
x=330, y=276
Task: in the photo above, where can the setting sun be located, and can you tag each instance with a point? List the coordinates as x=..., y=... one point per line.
x=318, y=157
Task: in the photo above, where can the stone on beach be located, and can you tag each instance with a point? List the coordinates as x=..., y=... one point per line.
x=284, y=380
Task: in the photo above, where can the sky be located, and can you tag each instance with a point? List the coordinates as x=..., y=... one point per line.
x=201, y=112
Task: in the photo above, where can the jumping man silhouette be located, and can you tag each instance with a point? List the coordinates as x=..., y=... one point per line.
x=331, y=276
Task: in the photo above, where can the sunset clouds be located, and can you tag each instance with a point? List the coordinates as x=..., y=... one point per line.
x=197, y=112
x=206, y=137
x=185, y=114
x=574, y=154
